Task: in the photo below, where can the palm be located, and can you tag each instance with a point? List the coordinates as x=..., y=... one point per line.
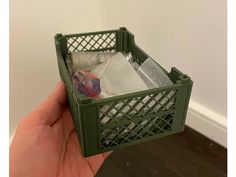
x=49, y=147
x=72, y=163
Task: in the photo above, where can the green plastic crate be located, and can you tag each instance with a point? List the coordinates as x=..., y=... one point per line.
x=120, y=121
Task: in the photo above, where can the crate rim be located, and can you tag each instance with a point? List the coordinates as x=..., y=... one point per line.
x=184, y=80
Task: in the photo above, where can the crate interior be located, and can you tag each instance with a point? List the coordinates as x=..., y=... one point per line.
x=106, y=42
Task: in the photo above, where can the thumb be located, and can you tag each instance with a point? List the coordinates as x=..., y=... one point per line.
x=51, y=109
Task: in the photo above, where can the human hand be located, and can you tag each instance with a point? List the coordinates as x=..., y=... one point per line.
x=46, y=144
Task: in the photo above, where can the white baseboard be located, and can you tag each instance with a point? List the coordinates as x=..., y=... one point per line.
x=207, y=122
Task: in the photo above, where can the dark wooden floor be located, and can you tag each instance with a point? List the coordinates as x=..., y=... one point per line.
x=186, y=154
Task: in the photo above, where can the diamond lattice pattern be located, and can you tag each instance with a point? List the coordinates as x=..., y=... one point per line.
x=93, y=42
x=136, y=118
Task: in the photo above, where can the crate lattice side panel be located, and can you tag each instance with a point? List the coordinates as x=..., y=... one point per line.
x=136, y=118
x=92, y=42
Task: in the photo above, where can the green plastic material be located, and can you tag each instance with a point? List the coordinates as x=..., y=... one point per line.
x=111, y=123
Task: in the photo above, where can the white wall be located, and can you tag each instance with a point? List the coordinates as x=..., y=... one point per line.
x=190, y=35
x=33, y=66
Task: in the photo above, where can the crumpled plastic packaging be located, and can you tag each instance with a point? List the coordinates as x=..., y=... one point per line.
x=119, y=74
x=118, y=77
x=87, y=83
x=153, y=75
x=89, y=60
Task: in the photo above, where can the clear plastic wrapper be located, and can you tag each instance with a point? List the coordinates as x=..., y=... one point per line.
x=153, y=75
